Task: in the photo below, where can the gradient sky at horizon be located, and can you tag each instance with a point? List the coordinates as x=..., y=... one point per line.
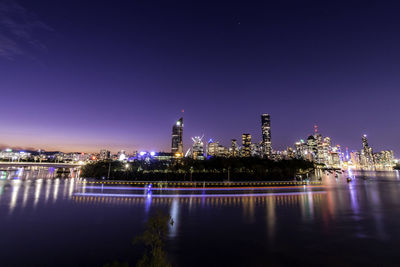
x=87, y=75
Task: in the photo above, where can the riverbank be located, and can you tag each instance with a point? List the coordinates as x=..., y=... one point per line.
x=215, y=170
x=151, y=184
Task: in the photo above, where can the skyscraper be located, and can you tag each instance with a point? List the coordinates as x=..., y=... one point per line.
x=312, y=145
x=105, y=154
x=246, y=145
x=234, y=150
x=198, y=148
x=177, y=138
x=365, y=142
x=366, y=155
x=300, y=147
x=266, y=134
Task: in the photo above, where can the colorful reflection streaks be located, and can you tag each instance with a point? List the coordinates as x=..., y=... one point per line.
x=287, y=200
x=204, y=188
x=197, y=195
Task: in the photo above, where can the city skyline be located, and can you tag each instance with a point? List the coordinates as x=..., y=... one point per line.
x=117, y=76
x=179, y=147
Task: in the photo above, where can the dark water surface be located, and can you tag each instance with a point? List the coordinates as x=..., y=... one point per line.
x=48, y=221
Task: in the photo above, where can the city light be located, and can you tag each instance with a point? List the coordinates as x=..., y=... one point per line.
x=242, y=188
x=200, y=195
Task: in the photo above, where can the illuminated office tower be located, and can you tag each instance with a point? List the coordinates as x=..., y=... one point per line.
x=234, y=149
x=266, y=134
x=290, y=153
x=198, y=148
x=301, y=149
x=246, y=145
x=386, y=158
x=335, y=160
x=214, y=149
x=355, y=159
x=312, y=145
x=364, y=141
x=121, y=155
x=105, y=154
x=328, y=143
x=177, y=138
x=366, y=156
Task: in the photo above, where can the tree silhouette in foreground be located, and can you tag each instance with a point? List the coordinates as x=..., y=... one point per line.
x=153, y=238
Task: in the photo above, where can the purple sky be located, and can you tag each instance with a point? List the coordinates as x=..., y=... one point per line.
x=116, y=74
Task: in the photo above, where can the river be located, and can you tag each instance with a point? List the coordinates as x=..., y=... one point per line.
x=46, y=220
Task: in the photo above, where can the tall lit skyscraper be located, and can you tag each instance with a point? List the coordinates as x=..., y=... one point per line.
x=177, y=138
x=365, y=142
x=312, y=145
x=105, y=154
x=212, y=148
x=246, y=145
x=198, y=148
x=366, y=155
x=300, y=149
x=266, y=134
x=328, y=142
x=234, y=150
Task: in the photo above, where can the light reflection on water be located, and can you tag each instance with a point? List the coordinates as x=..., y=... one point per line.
x=16, y=184
x=334, y=199
x=366, y=209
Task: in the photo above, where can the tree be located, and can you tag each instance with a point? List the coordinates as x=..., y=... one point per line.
x=153, y=238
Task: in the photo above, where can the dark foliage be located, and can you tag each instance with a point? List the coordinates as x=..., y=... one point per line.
x=214, y=169
x=153, y=238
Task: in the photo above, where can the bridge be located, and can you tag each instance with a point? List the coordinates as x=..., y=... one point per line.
x=40, y=164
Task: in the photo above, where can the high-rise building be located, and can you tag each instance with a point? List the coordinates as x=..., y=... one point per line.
x=312, y=145
x=105, y=154
x=214, y=149
x=364, y=141
x=177, y=138
x=328, y=143
x=234, y=149
x=325, y=150
x=256, y=150
x=290, y=153
x=366, y=155
x=355, y=159
x=198, y=148
x=122, y=155
x=384, y=159
x=301, y=149
x=246, y=145
x=266, y=134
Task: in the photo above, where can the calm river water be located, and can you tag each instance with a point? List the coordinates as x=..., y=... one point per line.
x=50, y=221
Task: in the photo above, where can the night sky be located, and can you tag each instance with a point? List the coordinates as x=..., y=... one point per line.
x=86, y=75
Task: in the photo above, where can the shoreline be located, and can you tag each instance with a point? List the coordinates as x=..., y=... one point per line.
x=204, y=184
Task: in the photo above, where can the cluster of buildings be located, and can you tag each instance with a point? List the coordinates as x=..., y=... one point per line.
x=315, y=148
x=214, y=149
x=11, y=155
x=320, y=150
